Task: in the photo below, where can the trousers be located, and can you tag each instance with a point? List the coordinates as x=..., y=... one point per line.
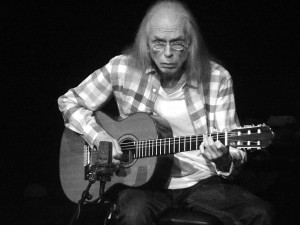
x=232, y=204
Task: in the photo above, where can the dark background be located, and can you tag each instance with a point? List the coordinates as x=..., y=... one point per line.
x=51, y=46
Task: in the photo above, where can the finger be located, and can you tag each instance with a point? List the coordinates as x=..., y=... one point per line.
x=117, y=148
x=211, y=150
x=205, y=149
x=211, y=143
x=205, y=141
x=116, y=161
x=202, y=148
x=221, y=146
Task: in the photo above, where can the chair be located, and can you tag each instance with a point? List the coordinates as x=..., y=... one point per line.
x=180, y=216
x=173, y=216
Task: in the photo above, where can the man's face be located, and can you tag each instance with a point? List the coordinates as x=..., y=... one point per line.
x=168, y=44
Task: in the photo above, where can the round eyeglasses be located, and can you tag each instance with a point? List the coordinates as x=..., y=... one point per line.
x=160, y=46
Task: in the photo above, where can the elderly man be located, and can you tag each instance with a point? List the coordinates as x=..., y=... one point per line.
x=167, y=72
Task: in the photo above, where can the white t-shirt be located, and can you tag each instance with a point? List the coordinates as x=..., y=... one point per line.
x=189, y=167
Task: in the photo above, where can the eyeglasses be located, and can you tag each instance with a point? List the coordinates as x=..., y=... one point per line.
x=160, y=46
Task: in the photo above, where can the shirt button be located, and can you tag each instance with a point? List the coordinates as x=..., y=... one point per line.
x=154, y=90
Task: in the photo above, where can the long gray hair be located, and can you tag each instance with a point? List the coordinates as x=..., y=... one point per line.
x=197, y=65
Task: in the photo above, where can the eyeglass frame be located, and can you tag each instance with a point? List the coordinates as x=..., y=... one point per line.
x=164, y=44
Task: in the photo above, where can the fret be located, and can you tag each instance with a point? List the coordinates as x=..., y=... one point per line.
x=190, y=143
x=174, y=144
x=140, y=149
x=177, y=145
x=166, y=146
x=184, y=144
x=135, y=154
x=152, y=147
x=147, y=152
x=140, y=153
x=195, y=142
x=159, y=146
x=181, y=145
x=146, y=149
x=156, y=147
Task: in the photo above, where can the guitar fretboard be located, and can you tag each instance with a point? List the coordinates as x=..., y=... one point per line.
x=157, y=147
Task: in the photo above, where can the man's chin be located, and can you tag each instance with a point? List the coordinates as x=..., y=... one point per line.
x=168, y=70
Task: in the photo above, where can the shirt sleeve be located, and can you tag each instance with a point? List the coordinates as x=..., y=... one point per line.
x=226, y=118
x=79, y=103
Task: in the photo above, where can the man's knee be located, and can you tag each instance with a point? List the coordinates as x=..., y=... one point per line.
x=261, y=212
x=133, y=208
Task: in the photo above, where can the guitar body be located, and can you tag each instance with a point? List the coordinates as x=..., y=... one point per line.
x=137, y=127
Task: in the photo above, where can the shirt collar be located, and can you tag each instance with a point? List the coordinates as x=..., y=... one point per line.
x=191, y=82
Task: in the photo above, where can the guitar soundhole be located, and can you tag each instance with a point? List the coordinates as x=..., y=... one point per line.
x=128, y=148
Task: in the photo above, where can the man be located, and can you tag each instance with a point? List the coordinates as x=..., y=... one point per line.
x=167, y=72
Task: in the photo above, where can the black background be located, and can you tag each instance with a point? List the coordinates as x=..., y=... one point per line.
x=51, y=46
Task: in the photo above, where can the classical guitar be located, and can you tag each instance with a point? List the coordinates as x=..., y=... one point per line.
x=142, y=138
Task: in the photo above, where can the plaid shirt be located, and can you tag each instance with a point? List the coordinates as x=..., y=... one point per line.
x=136, y=91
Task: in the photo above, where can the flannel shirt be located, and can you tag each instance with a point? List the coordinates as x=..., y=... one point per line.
x=136, y=91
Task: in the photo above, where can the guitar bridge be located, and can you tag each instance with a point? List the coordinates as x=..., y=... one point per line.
x=87, y=160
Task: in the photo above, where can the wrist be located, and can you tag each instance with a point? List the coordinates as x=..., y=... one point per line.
x=225, y=164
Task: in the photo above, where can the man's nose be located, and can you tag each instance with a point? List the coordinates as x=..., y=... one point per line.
x=168, y=51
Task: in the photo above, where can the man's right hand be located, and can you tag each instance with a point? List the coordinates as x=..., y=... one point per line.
x=116, y=150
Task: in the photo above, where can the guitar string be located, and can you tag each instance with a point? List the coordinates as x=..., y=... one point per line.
x=148, y=144
x=182, y=139
x=163, y=146
x=162, y=151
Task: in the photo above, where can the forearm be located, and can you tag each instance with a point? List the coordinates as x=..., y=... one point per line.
x=78, y=106
x=231, y=167
x=78, y=118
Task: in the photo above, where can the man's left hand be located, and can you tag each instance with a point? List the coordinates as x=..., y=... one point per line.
x=216, y=152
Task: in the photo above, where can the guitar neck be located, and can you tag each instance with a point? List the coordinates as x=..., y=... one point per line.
x=157, y=147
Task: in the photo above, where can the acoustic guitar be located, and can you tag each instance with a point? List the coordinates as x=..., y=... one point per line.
x=145, y=141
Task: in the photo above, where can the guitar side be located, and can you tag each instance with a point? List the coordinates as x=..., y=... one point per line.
x=71, y=166
x=139, y=126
